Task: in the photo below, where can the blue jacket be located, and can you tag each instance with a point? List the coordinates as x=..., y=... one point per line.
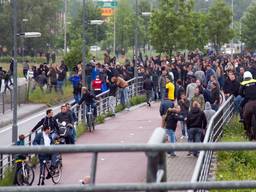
x=95, y=72
x=75, y=80
x=39, y=140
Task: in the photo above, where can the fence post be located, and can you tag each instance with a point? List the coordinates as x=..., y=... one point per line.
x=83, y=113
x=19, y=97
x=1, y=166
x=3, y=103
x=101, y=106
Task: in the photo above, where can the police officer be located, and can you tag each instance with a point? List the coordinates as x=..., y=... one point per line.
x=248, y=91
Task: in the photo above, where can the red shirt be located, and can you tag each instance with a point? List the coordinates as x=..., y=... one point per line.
x=96, y=85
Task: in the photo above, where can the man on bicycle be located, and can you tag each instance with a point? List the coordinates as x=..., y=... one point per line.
x=65, y=116
x=89, y=99
x=43, y=138
x=48, y=121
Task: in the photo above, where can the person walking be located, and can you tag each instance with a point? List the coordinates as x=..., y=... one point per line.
x=112, y=97
x=148, y=87
x=196, y=123
x=169, y=122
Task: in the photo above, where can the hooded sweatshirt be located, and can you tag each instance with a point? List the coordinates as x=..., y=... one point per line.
x=209, y=112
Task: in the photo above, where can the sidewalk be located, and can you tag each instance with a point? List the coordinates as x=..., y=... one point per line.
x=134, y=126
x=24, y=110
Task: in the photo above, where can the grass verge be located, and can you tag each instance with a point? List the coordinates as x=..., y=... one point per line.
x=8, y=177
x=235, y=165
x=50, y=99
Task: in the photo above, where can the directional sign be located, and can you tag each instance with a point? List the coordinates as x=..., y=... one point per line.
x=107, y=4
x=106, y=12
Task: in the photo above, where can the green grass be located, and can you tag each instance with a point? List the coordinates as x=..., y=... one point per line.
x=80, y=130
x=235, y=165
x=100, y=119
x=8, y=179
x=50, y=99
x=137, y=100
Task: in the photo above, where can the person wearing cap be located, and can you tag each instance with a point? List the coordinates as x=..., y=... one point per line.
x=248, y=91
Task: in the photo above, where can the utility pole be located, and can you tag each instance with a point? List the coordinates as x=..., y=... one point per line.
x=136, y=40
x=232, y=41
x=15, y=83
x=84, y=44
x=114, y=39
x=65, y=26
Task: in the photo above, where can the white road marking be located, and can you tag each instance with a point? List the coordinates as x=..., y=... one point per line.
x=28, y=119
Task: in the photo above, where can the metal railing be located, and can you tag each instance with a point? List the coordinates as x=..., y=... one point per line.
x=213, y=134
x=6, y=98
x=135, y=88
x=103, y=107
x=155, y=153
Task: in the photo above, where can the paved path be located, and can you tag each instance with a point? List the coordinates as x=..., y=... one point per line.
x=128, y=127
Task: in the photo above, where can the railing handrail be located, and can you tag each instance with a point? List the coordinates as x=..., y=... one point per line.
x=210, y=126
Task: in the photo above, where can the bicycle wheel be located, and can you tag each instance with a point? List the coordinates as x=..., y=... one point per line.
x=56, y=177
x=25, y=177
x=93, y=123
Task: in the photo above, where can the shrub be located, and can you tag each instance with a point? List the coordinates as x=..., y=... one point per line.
x=80, y=130
x=8, y=177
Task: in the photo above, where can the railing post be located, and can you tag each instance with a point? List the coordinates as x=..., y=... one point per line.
x=3, y=103
x=94, y=168
x=1, y=166
x=83, y=113
x=100, y=106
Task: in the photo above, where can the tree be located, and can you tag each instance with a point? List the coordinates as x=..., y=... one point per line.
x=200, y=38
x=249, y=27
x=125, y=18
x=171, y=26
x=218, y=24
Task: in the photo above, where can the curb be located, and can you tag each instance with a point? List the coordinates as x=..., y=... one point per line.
x=22, y=116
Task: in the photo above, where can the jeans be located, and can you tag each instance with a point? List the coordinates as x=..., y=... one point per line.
x=238, y=100
x=184, y=128
x=60, y=86
x=194, y=136
x=112, y=104
x=172, y=138
x=148, y=95
x=77, y=97
x=124, y=96
x=162, y=93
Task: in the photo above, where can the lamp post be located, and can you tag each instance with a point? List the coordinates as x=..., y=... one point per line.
x=65, y=26
x=23, y=29
x=14, y=92
x=147, y=14
x=136, y=46
x=96, y=23
x=232, y=25
x=84, y=44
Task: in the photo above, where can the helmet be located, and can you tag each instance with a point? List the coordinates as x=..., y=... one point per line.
x=247, y=75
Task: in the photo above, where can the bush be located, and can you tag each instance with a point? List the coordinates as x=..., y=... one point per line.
x=8, y=177
x=100, y=119
x=80, y=130
x=137, y=100
x=52, y=98
x=235, y=165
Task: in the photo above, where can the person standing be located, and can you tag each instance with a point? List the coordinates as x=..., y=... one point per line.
x=184, y=106
x=209, y=112
x=112, y=97
x=148, y=87
x=2, y=74
x=170, y=89
x=25, y=69
x=196, y=123
x=96, y=85
x=169, y=122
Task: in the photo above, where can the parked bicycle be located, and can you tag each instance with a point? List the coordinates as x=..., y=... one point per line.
x=25, y=174
x=55, y=174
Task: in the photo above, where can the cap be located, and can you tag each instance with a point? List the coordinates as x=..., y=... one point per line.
x=247, y=75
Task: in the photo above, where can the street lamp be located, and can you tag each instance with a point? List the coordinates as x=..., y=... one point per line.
x=232, y=41
x=22, y=40
x=29, y=34
x=147, y=14
x=96, y=23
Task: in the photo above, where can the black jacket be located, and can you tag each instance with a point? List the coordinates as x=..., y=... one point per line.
x=231, y=87
x=67, y=117
x=248, y=89
x=112, y=89
x=88, y=98
x=171, y=120
x=196, y=119
x=148, y=84
x=215, y=96
x=47, y=122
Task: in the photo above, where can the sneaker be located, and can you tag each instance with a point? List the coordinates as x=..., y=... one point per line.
x=172, y=155
x=189, y=154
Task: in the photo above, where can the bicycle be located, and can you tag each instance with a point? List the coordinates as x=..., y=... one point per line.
x=90, y=118
x=55, y=174
x=25, y=174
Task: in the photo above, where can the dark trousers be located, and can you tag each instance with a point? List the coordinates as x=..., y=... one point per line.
x=194, y=136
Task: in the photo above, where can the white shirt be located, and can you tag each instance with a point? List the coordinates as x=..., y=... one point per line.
x=47, y=140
